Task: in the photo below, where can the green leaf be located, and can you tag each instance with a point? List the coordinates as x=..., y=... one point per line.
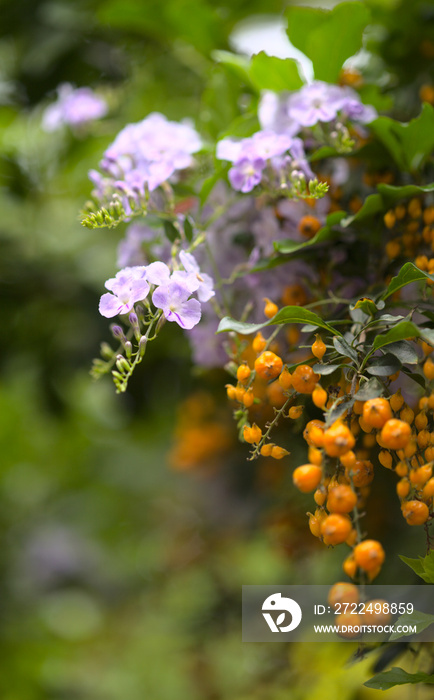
x=384, y=366
x=272, y=73
x=341, y=406
x=235, y=63
x=370, y=390
x=172, y=233
x=397, y=676
x=402, y=330
x=418, y=378
x=345, y=349
x=371, y=206
x=328, y=38
x=323, y=370
x=411, y=143
x=419, y=619
x=324, y=234
x=423, y=566
x=289, y=314
x=404, y=351
x=391, y=194
x=188, y=229
x=408, y=273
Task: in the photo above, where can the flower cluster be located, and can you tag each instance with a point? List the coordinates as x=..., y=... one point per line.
x=142, y=157
x=315, y=103
x=172, y=290
x=74, y=107
x=251, y=156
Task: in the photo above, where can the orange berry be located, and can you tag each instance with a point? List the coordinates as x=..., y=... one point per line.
x=429, y=453
x=427, y=349
x=385, y=459
x=393, y=249
x=423, y=403
x=295, y=412
x=267, y=449
x=389, y=219
x=395, y=434
x=376, y=412
x=414, y=208
x=320, y=496
x=343, y=593
x=316, y=520
x=259, y=343
x=403, y=488
x=348, y=460
x=364, y=425
x=349, y=625
x=369, y=555
x=275, y=394
x=376, y=612
x=319, y=396
x=428, y=368
x=407, y=415
x=285, y=379
x=420, y=476
x=349, y=566
x=243, y=373
x=294, y=295
x=396, y=401
x=335, y=529
x=253, y=434
x=268, y=365
x=423, y=438
x=309, y=226
x=239, y=393
x=270, y=308
x=248, y=398
x=362, y=473
x=428, y=215
x=421, y=420
x=401, y=468
x=278, y=452
x=304, y=379
x=338, y=439
x=428, y=489
x=358, y=407
x=415, y=512
x=307, y=477
x=318, y=347
x=231, y=392
x=314, y=455
x=314, y=433
x=341, y=499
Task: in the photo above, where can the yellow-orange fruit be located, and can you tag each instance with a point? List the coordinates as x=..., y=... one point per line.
x=415, y=512
x=395, y=434
x=285, y=379
x=376, y=412
x=341, y=499
x=268, y=365
x=307, y=477
x=304, y=379
x=338, y=439
x=243, y=373
x=319, y=396
x=343, y=593
x=369, y=555
x=335, y=529
x=318, y=347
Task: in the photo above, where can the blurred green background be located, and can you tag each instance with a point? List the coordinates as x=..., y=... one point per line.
x=124, y=542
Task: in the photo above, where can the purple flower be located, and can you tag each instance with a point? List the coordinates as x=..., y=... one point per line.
x=317, y=102
x=173, y=299
x=128, y=287
x=246, y=174
x=205, y=288
x=146, y=154
x=73, y=107
x=273, y=114
x=356, y=110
